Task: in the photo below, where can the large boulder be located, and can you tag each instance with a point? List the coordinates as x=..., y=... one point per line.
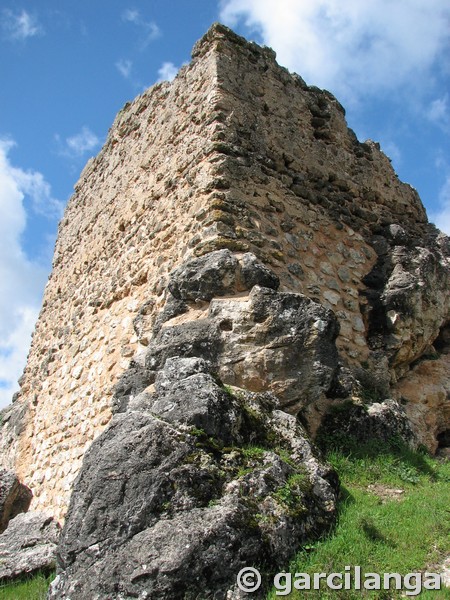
x=408, y=293
x=15, y=497
x=190, y=485
x=264, y=341
x=382, y=422
x=277, y=341
x=28, y=545
x=425, y=392
x=219, y=273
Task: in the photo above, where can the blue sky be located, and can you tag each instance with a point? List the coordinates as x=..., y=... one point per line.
x=66, y=68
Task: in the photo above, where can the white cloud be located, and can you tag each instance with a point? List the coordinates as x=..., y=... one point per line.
x=439, y=113
x=78, y=144
x=14, y=350
x=150, y=30
x=22, y=280
x=438, y=109
x=349, y=46
x=20, y=26
x=167, y=72
x=441, y=217
x=441, y=159
x=124, y=67
x=34, y=185
x=82, y=142
x=132, y=16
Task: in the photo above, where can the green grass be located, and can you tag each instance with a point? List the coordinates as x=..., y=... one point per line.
x=33, y=588
x=406, y=534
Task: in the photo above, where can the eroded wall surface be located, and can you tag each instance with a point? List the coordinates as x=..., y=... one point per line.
x=235, y=153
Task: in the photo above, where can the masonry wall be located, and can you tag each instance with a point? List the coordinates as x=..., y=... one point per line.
x=235, y=153
x=128, y=224
x=298, y=189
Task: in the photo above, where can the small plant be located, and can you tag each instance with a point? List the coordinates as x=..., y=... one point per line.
x=286, y=457
x=407, y=473
x=197, y=432
x=205, y=441
x=251, y=456
x=242, y=471
x=291, y=493
x=253, y=452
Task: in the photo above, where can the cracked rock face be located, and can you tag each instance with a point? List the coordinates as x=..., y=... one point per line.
x=28, y=545
x=258, y=339
x=268, y=340
x=410, y=300
x=219, y=273
x=188, y=486
x=15, y=497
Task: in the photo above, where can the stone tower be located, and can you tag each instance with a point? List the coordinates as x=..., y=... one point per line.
x=240, y=156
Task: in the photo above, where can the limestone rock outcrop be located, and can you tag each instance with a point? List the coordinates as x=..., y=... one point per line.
x=425, y=393
x=191, y=484
x=15, y=498
x=260, y=340
x=28, y=545
x=410, y=299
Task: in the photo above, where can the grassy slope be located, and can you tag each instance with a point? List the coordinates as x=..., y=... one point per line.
x=404, y=533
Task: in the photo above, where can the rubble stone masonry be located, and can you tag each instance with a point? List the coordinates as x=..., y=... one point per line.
x=235, y=153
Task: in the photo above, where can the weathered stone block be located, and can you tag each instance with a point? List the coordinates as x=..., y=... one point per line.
x=15, y=497
x=28, y=545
